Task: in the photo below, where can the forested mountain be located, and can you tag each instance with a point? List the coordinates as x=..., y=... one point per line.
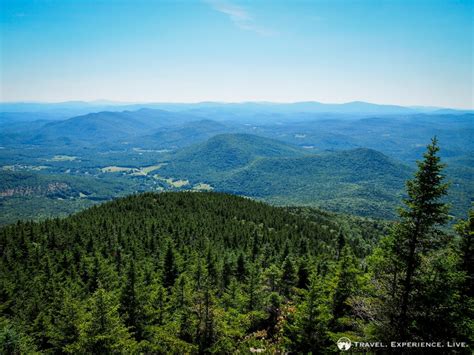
x=182, y=135
x=360, y=181
x=33, y=196
x=199, y=273
x=173, y=272
x=100, y=127
x=226, y=152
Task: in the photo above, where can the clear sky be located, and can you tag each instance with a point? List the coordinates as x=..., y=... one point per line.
x=401, y=52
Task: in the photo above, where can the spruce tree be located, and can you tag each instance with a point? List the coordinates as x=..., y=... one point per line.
x=465, y=314
x=310, y=326
x=241, y=268
x=288, y=277
x=412, y=239
x=465, y=230
x=102, y=330
x=130, y=303
x=170, y=271
x=345, y=285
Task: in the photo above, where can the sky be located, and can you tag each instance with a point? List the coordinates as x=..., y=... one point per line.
x=395, y=52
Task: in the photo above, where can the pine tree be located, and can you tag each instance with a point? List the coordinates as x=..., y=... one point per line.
x=241, y=268
x=206, y=320
x=303, y=274
x=170, y=271
x=345, y=285
x=102, y=330
x=64, y=330
x=253, y=287
x=465, y=229
x=130, y=303
x=310, y=326
x=465, y=314
x=226, y=273
x=341, y=242
x=414, y=237
x=288, y=277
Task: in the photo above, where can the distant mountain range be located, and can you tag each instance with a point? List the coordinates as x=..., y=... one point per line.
x=100, y=127
x=74, y=108
x=158, y=128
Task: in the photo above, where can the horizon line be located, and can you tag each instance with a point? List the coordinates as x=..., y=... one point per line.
x=262, y=102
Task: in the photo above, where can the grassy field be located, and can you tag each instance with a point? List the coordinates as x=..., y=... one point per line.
x=63, y=158
x=117, y=169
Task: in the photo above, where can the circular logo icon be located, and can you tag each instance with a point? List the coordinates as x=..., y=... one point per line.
x=344, y=344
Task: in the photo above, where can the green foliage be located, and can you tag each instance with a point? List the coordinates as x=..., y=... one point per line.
x=465, y=231
x=170, y=273
x=101, y=329
x=416, y=265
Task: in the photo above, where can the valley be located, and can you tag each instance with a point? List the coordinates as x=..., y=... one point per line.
x=341, y=161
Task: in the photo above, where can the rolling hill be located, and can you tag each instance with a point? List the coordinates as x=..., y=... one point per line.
x=224, y=153
x=98, y=128
x=284, y=154
x=360, y=181
x=178, y=136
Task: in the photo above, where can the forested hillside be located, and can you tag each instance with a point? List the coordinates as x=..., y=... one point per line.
x=206, y=272
x=167, y=272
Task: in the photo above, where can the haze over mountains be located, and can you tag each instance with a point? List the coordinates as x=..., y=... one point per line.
x=351, y=157
x=75, y=108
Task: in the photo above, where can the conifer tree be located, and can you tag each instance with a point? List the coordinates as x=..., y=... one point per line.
x=170, y=271
x=64, y=329
x=206, y=320
x=465, y=314
x=345, y=285
x=465, y=230
x=310, y=326
x=241, y=267
x=303, y=274
x=102, y=330
x=130, y=303
x=415, y=236
x=288, y=277
x=253, y=287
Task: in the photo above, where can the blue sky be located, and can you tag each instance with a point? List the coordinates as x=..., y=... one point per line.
x=401, y=52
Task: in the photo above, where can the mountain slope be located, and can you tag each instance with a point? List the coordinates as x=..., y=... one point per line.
x=100, y=127
x=360, y=181
x=141, y=268
x=30, y=195
x=226, y=152
x=178, y=136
